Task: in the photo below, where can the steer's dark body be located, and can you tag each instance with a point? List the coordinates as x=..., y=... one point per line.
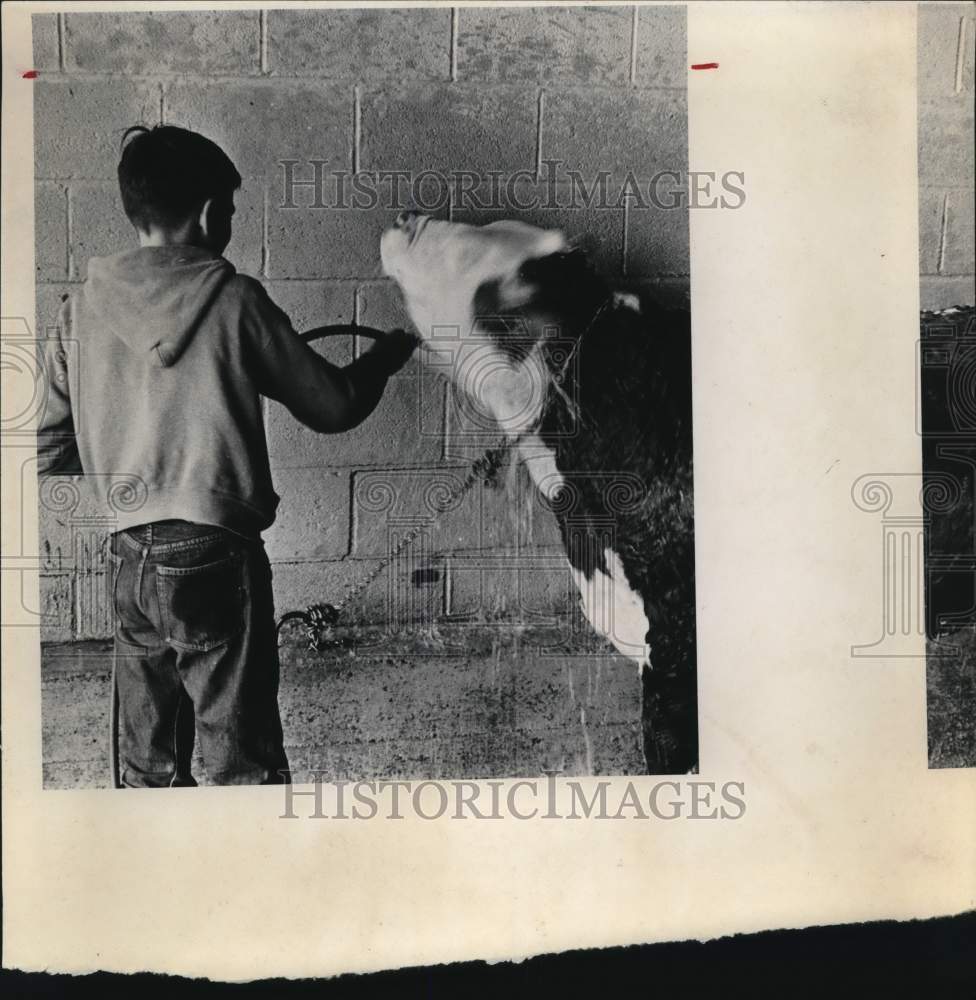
x=621, y=434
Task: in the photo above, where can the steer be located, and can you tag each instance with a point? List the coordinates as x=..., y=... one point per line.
x=593, y=391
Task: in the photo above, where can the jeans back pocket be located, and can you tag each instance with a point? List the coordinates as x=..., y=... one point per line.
x=202, y=607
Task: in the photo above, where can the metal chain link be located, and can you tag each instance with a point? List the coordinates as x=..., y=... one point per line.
x=320, y=619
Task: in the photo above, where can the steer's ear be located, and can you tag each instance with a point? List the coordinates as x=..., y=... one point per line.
x=556, y=270
x=498, y=306
x=514, y=304
x=542, y=277
x=556, y=280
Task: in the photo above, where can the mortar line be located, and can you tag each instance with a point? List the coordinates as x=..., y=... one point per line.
x=68, y=255
x=263, y=41
x=59, y=20
x=633, y=46
x=356, y=317
x=83, y=76
x=944, y=232
x=455, y=14
x=626, y=237
x=960, y=54
x=283, y=280
x=264, y=232
x=357, y=127
x=540, y=111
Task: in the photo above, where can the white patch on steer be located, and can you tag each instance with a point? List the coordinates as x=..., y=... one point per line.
x=513, y=393
x=540, y=460
x=615, y=609
x=626, y=300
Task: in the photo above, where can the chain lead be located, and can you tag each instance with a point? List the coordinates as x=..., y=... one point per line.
x=320, y=619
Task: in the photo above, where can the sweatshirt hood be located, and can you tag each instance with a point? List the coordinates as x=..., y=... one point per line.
x=153, y=298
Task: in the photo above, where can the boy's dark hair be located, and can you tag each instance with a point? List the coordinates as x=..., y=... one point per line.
x=166, y=173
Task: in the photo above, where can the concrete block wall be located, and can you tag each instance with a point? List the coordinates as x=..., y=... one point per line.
x=946, y=54
x=483, y=90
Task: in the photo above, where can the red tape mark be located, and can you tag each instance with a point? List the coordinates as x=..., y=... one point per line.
x=31, y=74
x=704, y=65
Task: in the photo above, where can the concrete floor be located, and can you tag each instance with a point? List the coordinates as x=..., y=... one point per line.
x=452, y=702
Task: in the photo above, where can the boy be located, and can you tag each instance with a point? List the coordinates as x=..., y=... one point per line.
x=175, y=351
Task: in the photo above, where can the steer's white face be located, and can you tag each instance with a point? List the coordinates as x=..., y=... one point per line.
x=439, y=267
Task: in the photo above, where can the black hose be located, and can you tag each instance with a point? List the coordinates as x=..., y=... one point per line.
x=291, y=616
x=341, y=330
x=316, y=618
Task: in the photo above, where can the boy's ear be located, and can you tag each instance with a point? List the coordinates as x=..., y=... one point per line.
x=205, y=220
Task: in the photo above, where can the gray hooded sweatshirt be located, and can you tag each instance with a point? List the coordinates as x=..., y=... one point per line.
x=155, y=377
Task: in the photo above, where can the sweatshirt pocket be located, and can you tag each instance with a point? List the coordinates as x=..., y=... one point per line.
x=202, y=607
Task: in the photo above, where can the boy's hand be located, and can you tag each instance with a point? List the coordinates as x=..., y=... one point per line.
x=395, y=349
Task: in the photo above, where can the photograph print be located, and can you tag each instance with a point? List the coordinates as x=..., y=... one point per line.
x=366, y=449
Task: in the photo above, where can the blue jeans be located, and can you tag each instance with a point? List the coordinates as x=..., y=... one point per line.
x=195, y=653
